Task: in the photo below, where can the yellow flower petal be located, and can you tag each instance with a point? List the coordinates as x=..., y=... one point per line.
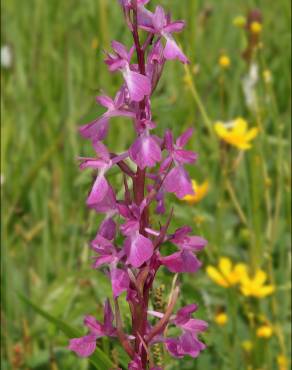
x=282, y=362
x=220, y=129
x=256, y=27
x=241, y=145
x=221, y=318
x=252, y=133
x=216, y=276
x=240, y=126
x=224, y=61
x=241, y=270
x=265, y=291
x=238, y=273
x=225, y=267
x=260, y=277
x=199, y=190
x=264, y=331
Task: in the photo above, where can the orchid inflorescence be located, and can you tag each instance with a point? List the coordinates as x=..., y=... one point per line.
x=158, y=169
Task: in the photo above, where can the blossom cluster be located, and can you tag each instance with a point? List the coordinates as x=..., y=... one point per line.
x=152, y=166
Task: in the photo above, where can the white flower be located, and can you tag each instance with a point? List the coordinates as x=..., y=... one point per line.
x=6, y=56
x=248, y=85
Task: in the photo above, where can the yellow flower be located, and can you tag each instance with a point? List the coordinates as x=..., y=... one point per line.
x=264, y=331
x=224, y=61
x=267, y=76
x=226, y=275
x=236, y=133
x=199, y=190
x=282, y=362
x=221, y=318
x=247, y=345
x=256, y=27
x=254, y=286
x=239, y=21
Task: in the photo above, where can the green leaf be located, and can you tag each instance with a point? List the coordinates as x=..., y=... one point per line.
x=99, y=359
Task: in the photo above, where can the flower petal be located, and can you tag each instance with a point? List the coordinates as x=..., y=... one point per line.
x=215, y=275
x=95, y=130
x=84, y=346
x=98, y=192
x=138, y=249
x=185, y=137
x=178, y=182
x=138, y=85
x=120, y=281
x=172, y=51
x=145, y=151
x=181, y=262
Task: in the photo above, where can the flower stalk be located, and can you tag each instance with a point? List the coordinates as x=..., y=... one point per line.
x=160, y=169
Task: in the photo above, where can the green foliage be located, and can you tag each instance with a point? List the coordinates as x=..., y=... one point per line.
x=49, y=91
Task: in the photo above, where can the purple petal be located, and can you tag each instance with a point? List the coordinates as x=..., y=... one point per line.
x=174, y=27
x=138, y=85
x=159, y=18
x=98, y=192
x=107, y=229
x=172, y=345
x=184, y=241
x=184, y=314
x=107, y=204
x=105, y=101
x=194, y=243
x=168, y=140
x=138, y=249
x=94, y=326
x=156, y=53
x=145, y=151
x=195, y=326
x=102, y=260
x=120, y=281
x=115, y=63
x=130, y=227
x=96, y=130
x=124, y=210
x=101, y=150
x=84, y=346
x=144, y=16
x=178, y=182
x=120, y=49
x=172, y=51
x=182, y=156
x=181, y=262
x=190, y=345
x=185, y=137
x=165, y=165
x=182, y=232
x=108, y=318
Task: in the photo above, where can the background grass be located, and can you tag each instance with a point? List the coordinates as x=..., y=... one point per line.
x=50, y=90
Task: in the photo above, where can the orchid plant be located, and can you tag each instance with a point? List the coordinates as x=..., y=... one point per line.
x=151, y=167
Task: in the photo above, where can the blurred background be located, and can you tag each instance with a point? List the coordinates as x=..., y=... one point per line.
x=51, y=70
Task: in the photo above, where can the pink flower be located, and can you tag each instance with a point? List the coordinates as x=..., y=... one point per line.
x=187, y=343
x=97, y=129
x=178, y=182
x=102, y=162
x=145, y=151
x=162, y=25
x=127, y=245
x=138, y=85
x=86, y=345
x=184, y=260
